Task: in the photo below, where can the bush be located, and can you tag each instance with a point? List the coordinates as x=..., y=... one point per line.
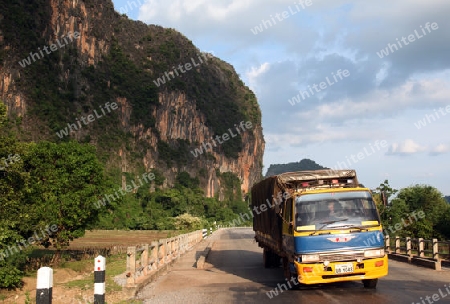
x=188, y=222
x=10, y=276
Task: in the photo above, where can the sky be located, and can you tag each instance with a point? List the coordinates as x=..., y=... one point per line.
x=349, y=84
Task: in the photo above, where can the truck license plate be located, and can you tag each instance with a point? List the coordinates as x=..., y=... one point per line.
x=343, y=268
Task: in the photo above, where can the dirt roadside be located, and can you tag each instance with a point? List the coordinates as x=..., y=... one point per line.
x=69, y=287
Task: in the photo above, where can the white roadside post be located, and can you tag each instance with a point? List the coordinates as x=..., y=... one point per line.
x=44, y=285
x=99, y=280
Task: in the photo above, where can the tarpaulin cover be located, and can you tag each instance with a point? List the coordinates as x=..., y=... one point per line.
x=270, y=193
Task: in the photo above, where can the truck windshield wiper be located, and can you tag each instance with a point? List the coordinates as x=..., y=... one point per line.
x=327, y=223
x=352, y=226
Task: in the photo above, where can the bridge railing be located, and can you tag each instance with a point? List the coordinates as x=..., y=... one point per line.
x=418, y=248
x=149, y=258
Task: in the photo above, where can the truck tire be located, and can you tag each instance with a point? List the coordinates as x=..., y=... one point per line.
x=289, y=276
x=276, y=260
x=372, y=283
x=286, y=269
x=267, y=258
x=270, y=258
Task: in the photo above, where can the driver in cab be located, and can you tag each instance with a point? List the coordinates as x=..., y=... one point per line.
x=334, y=210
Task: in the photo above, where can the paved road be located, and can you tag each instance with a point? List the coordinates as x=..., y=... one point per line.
x=234, y=274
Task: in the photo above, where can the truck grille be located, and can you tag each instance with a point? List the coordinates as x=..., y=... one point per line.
x=341, y=256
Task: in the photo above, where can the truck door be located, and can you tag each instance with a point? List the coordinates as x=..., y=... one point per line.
x=288, y=226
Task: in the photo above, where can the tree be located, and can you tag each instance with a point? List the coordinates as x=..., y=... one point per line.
x=384, y=189
x=66, y=180
x=14, y=217
x=188, y=222
x=381, y=196
x=2, y=113
x=418, y=198
x=183, y=179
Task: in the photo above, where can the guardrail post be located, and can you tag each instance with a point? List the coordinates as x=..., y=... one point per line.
x=408, y=246
x=161, y=253
x=421, y=250
x=387, y=243
x=435, y=249
x=155, y=259
x=131, y=264
x=397, y=244
x=44, y=285
x=182, y=246
x=166, y=251
x=144, y=259
x=99, y=280
x=173, y=248
x=437, y=265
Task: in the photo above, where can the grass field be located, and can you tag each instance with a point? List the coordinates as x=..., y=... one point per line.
x=108, y=238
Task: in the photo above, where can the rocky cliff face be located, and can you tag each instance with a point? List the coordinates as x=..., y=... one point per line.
x=63, y=59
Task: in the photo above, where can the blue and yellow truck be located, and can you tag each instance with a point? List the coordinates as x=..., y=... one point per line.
x=323, y=226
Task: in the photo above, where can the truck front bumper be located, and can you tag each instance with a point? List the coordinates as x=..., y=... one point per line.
x=316, y=273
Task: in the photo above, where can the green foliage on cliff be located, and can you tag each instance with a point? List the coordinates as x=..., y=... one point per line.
x=159, y=209
x=175, y=153
x=127, y=80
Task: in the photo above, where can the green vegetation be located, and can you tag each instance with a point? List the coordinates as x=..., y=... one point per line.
x=178, y=151
x=64, y=181
x=303, y=165
x=47, y=185
x=127, y=80
x=416, y=198
x=115, y=264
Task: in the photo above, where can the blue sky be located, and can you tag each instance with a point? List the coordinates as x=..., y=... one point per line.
x=301, y=47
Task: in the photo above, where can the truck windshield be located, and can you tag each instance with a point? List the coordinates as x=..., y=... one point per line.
x=348, y=209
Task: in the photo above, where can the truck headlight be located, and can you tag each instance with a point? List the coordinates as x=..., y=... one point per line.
x=374, y=253
x=310, y=258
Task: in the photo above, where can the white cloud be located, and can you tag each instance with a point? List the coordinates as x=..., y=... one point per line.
x=181, y=11
x=440, y=149
x=407, y=147
x=255, y=72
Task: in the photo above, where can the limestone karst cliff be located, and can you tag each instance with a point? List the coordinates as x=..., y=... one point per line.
x=61, y=60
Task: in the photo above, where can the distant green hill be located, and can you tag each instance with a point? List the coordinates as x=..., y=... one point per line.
x=447, y=198
x=304, y=165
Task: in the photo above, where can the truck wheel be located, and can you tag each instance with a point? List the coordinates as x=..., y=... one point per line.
x=372, y=283
x=286, y=269
x=267, y=258
x=271, y=259
x=289, y=276
x=275, y=260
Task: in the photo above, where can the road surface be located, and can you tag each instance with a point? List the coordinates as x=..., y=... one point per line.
x=234, y=273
